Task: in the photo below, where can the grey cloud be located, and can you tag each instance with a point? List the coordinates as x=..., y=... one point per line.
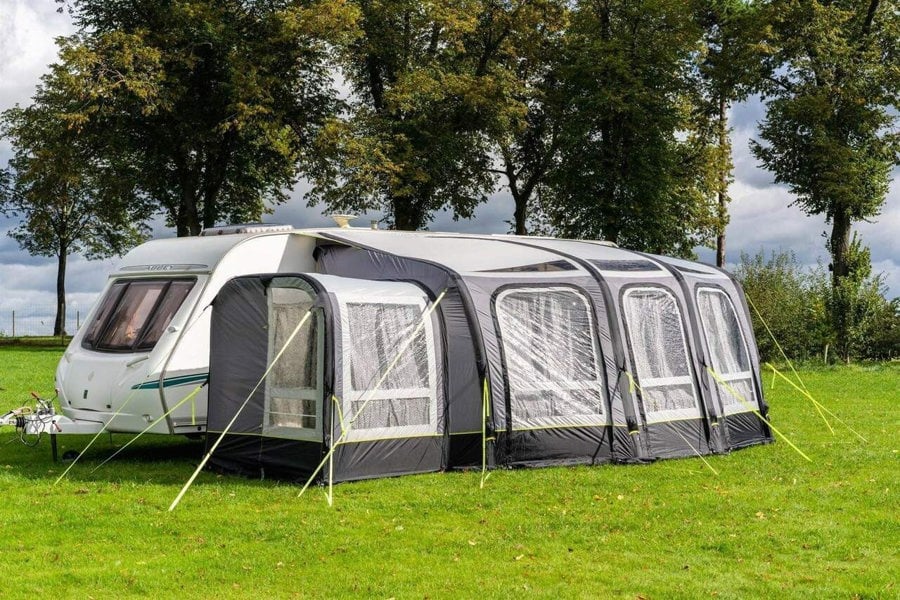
x=747, y=169
x=488, y=218
x=26, y=45
x=745, y=115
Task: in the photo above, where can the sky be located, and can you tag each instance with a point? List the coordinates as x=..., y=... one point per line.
x=762, y=217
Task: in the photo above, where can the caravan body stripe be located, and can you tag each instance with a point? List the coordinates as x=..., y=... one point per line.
x=171, y=381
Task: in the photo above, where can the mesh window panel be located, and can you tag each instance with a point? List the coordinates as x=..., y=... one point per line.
x=391, y=372
x=551, y=357
x=297, y=366
x=393, y=412
x=294, y=386
x=376, y=331
x=656, y=334
x=728, y=350
x=283, y=413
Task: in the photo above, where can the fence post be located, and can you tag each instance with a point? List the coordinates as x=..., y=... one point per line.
x=14, y=324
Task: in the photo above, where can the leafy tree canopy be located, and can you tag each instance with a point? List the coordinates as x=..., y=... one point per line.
x=427, y=94
x=829, y=131
x=207, y=106
x=629, y=163
x=65, y=196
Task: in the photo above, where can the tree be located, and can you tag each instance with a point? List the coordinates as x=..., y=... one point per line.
x=731, y=67
x=426, y=96
x=861, y=311
x=628, y=168
x=829, y=132
x=526, y=144
x=53, y=185
x=208, y=106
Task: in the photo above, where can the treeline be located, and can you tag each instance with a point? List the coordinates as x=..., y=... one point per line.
x=603, y=118
x=791, y=307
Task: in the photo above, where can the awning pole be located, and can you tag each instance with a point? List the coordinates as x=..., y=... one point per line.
x=485, y=415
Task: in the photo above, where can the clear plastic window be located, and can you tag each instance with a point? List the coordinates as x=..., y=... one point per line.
x=134, y=314
x=656, y=335
x=376, y=331
x=294, y=387
x=551, y=357
x=389, y=368
x=727, y=348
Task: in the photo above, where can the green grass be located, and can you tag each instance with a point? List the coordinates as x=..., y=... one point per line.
x=44, y=341
x=770, y=525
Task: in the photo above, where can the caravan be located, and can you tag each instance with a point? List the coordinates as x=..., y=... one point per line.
x=400, y=352
x=145, y=344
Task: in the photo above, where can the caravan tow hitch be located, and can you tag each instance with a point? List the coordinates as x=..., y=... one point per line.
x=32, y=423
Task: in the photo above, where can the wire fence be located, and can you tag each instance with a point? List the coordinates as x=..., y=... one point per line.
x=36, y=320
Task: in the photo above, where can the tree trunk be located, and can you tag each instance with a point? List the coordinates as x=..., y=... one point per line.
x=840, y=251
x=408, y=213
x=521, y=199
x=187, y=221
x=187, y=217
x=59, y=325
x=840, y=245
x=722, y=182
x=520, y=213
x=720, y=239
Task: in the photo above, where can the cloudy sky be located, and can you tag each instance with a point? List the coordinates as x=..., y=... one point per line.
x=761, y=215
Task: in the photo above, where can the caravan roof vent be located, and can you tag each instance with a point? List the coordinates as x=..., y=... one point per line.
x=343, y=221
x=246, y=228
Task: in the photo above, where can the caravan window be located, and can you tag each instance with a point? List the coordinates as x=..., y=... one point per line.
x=389, y=368
x=134, y=314
x=294, y=387
x=551, y=357
x=655, y=330
x=727, y=349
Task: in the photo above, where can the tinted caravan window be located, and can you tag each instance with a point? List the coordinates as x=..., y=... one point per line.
x=551, y=358
x=727, y=349
x=135, y=313
x=656, y=335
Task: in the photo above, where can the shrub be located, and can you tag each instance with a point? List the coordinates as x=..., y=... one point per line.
x=803, y=311
x=789, y=301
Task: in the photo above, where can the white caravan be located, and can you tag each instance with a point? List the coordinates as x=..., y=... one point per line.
x=144, y=346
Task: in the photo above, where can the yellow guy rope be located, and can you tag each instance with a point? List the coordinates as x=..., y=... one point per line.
x=236, y=414
x=753, y=409
x=128, y=399
x=152, y=425
x=790, y=364
x=371, y=394
x=632, y=384
x=814, y=401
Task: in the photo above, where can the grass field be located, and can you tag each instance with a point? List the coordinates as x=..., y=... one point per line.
x=770, y=525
